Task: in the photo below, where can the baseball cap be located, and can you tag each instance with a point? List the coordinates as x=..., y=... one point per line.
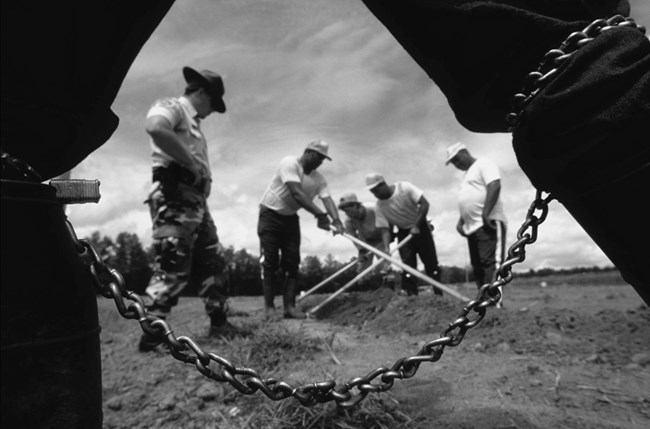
x=319, y=146
x=453, y=150
x=348, y=199
x=374, y=179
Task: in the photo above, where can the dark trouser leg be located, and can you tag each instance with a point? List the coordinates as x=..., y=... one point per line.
x=475, y=259
x=426, y=248
x=269, y=230
x=279, y=235
x=486, y=249
x=269, y=286
x=408, y=254
x=290, y=310
x=290, y=263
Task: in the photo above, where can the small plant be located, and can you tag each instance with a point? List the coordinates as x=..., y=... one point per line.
x=374, y=412
x=274, y=346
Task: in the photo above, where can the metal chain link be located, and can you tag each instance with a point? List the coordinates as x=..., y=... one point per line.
x=110, y=284
x=555, y=59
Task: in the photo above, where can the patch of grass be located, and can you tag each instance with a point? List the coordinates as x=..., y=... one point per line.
x=374, y=412
x=274, y=346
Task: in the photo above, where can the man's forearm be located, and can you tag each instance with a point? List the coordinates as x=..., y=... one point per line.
x=330, y=206
x=168, y=142
x=493, y=191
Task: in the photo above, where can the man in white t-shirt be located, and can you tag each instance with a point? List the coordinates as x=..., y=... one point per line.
x=293, y=187
x=482, y=218
x=362, y=222
x=403, y=205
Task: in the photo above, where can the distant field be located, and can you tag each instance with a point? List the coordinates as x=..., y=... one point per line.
x=590, y=278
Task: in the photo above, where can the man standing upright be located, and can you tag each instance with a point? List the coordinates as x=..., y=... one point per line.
x=403, y=205
x=185, y=240
x=482, y=218
x=293, y=186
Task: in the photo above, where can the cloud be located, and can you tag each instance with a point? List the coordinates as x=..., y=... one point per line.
x=295, y=71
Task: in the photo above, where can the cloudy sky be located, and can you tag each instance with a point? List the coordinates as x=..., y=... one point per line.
x=295, y=71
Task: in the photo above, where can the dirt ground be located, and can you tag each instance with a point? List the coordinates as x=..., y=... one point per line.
x=554, y=357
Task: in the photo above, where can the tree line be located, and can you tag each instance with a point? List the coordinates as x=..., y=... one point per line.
x=243, y=271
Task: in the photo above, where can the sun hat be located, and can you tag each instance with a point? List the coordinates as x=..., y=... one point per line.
x=211, y=82
x=348, y=199
x=453, y=150
x=319, y=146
x=374, y=179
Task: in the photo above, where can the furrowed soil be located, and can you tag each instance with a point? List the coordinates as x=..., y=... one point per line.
x=560, y=356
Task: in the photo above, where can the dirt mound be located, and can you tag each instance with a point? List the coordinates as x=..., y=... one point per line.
x=538, y=330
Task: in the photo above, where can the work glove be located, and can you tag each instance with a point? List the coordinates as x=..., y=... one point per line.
x=338, y=226
x=323, y=221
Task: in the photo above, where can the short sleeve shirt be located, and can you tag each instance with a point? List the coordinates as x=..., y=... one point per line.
x=182, y=116
x=401, y=209
x=472, y=193
x=278, y=196
x=368, y=229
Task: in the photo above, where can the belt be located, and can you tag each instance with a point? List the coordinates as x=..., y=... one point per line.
x=174, y=174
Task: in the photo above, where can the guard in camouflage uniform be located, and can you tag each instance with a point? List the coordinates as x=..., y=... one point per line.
x=185, y=238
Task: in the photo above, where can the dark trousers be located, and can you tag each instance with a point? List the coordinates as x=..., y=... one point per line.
x=279, y=252
x=486, y=252
x=421, y=245
x=279, y=241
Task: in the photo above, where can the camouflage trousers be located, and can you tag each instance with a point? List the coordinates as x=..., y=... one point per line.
x=187, y=253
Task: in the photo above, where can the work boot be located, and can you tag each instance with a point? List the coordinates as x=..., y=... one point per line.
x=270, y=313
x=290, y=311
x=221, y=328
x=149, y=343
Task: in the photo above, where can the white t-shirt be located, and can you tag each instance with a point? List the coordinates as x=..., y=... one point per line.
x=472, y=193
x=278, y=196
x=401, y=209
x=182, y=116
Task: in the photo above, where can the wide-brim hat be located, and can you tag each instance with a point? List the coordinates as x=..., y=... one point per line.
x=453, y=150
x=211, y=82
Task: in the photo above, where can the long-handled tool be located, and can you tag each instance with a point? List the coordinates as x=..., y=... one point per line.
x=357, y=278
x=327, y=280
x=407, y=268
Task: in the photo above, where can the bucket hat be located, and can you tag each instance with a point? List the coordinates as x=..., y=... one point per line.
x=211, y=82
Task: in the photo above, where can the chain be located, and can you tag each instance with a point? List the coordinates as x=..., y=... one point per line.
x=110, y=284
x=555, y=59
